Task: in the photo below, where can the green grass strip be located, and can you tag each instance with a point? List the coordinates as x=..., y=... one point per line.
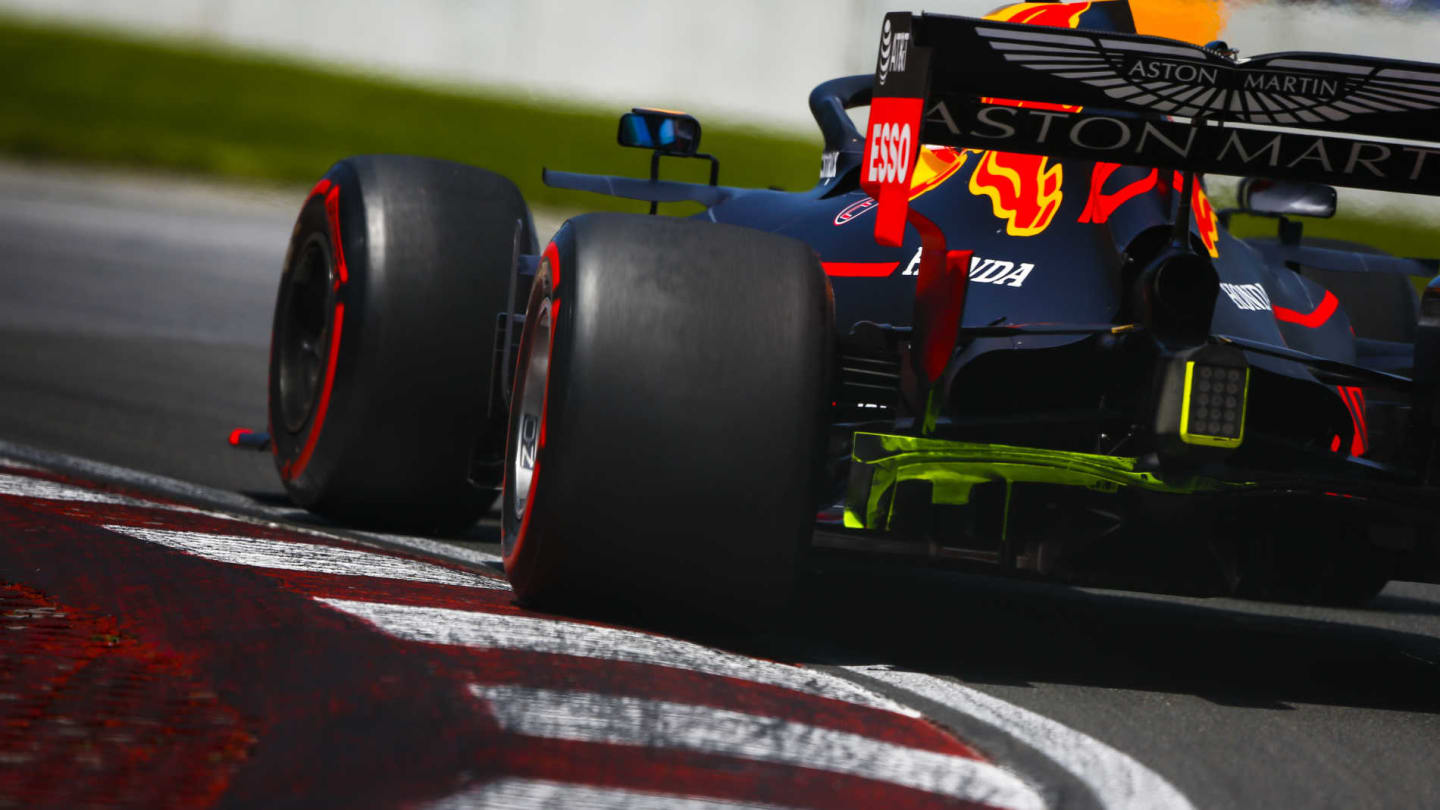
x=82, y=96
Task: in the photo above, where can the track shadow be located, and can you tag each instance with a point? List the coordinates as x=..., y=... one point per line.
x=1001, y=631
x=275, y=499
x=1006, y=631
x=993, y=630
x=486, y=530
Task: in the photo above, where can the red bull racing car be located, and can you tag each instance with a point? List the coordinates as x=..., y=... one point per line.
x=1007, y=328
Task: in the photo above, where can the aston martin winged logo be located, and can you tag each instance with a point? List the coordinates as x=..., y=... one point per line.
x=1280, y=89
x=1341, y=119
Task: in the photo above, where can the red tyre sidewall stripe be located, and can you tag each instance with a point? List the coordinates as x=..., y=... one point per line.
x=523, y=532
x=516, y=565
x=322, y=186
x=332, y=207
x=292, y=469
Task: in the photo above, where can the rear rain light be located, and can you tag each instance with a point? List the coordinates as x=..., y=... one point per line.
x=1213, y=406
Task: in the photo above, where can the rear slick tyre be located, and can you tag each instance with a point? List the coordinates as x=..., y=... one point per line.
x=666, y=424
x=382, y=406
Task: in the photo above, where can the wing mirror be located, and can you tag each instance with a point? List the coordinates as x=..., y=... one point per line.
x=666, y=131
x=1282, y=198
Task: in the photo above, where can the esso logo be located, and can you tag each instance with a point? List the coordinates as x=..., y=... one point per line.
x=890, y=155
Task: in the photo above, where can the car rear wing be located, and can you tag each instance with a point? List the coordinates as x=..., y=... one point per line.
x=1342, y=120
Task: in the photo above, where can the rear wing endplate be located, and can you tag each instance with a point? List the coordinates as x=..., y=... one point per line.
x=1122, y=98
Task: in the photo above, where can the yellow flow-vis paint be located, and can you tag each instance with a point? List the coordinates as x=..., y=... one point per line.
x=1212, y=411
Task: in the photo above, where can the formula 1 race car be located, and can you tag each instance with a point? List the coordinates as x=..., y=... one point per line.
x=1005, y=329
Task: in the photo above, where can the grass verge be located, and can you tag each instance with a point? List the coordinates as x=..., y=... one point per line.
x=81, y=96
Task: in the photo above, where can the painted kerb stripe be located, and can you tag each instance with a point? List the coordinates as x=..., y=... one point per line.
x=612, y=720
x=540, y=794
x=1119, y=782
x=505, y=632
x=320, y=559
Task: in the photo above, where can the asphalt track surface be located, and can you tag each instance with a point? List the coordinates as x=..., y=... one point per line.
x=134, y=317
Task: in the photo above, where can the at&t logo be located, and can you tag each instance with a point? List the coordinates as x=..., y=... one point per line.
x=893, y=50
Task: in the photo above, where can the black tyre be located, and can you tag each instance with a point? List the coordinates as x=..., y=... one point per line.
x=667, y=421
x=384, y=341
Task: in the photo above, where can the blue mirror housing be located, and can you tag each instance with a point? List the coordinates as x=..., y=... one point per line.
x=666, y=131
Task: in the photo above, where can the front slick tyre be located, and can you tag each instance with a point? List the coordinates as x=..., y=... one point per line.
x=666, y=423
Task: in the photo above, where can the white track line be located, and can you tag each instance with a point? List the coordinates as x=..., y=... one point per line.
x=41, y=489
x=611, y=720
x=1118, y=781
x=171, y=487
x=320, y=559
x=538, y=794
x=473, y=556
x=467, y=628
x=247, y=509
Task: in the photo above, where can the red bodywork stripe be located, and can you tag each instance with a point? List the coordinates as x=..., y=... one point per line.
x=235, y=436
x=859, y=269
x=1354, y=399
x=1313, y=320
x=1100, y=205
x=940, y=289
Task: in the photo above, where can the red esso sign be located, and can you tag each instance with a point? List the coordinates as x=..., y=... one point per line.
x=890, y=155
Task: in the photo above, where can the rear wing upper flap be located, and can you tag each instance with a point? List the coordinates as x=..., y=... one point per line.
x=1123, y=98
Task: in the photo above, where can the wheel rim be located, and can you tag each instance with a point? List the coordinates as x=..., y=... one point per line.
x=304, y=325
x=535, y=372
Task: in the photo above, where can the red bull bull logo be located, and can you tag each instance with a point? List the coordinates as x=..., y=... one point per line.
x=935, y=165
x=1197, y=21
x=1102, y=204
x=1056, y=15
x=1204, y=214
x=1024, y=190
